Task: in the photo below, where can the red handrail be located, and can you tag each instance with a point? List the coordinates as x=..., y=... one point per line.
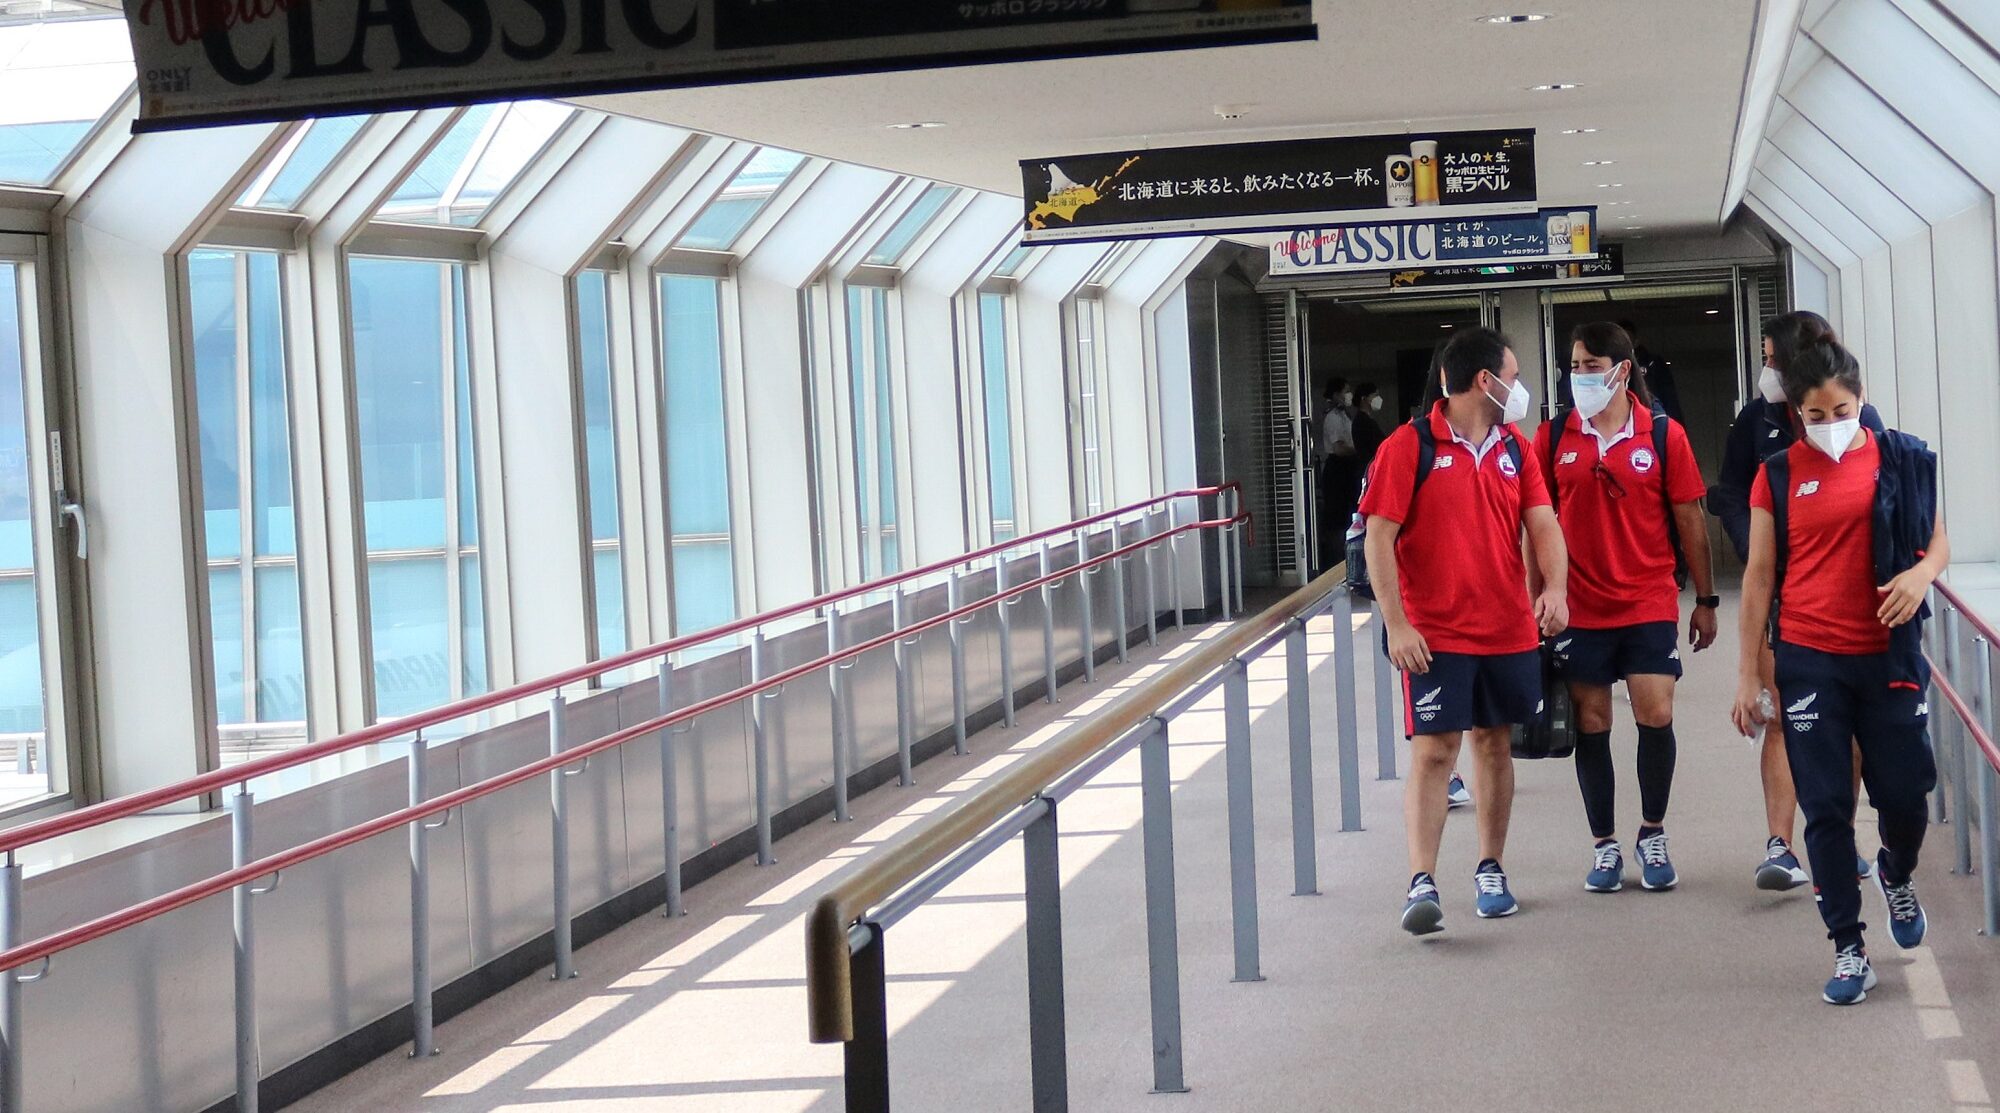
x=112, y=922
x=134, y=803
x=1985, y=742
x=1979, y=624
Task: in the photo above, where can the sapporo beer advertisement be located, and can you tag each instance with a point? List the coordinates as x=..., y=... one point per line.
x=1279, y=186
x=221, y=61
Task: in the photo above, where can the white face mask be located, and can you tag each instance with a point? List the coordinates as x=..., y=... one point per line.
x=1593, y=391
x=1375, y=403
x=1516, y=405
x=1834, y=437
x=1771, y=386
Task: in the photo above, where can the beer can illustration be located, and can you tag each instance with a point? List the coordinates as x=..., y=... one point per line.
x=1424, y=153
x=1400, y=174
x=1579, y=233
x=1559, y=234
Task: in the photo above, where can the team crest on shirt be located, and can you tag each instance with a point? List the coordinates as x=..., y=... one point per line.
x=1507, y=467
x=1642, y=460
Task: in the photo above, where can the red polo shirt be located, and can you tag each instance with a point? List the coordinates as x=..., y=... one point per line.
x=1621, y=557
x=1464, y=586
x=1829, y=590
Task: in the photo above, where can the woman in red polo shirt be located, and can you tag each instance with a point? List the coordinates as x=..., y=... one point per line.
x=1627, y=490
x=1845, y=532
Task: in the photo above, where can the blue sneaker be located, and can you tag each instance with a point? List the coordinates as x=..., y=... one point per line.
x=1608, y=874
x=1456, y=794
x=1657, y=870
x=1494, y=899
x=1853, y=977
x=1780, y=869
x=1423, y=913
x=1906, y=916
x=1863, y=868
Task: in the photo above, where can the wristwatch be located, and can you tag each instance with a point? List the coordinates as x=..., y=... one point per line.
x=1710, y=601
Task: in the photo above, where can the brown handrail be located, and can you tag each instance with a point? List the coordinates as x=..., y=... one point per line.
x=134, y=803
x=1988, y=749
x=111, y=922
x=829, y=990
x=1984, y=628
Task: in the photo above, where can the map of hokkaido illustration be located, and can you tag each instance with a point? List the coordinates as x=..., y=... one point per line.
x=1067, y=198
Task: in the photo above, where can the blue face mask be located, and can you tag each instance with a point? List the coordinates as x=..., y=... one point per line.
x=1593, y=391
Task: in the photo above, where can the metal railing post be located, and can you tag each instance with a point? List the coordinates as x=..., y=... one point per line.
x=1236, y=531
x=1954, y=755
x=11, y=1056
x=837, y=688
x=1163, y=948
x=1048, y=627
x=1004, y=614
x=1174, y=563
x=559, y=843
x=249, y=1060
x=1152, y=588
x=1088, y=610
x=1298, y=703
x=954, y=598
x=423, y=1043
x=1385, y=701
x=1347, y=731
x=760, y=753
x=866, y=1056
x=1120, y=624
x=905, y=717
x=1242, y=822
x=1989, y=789
x=670, y=794
x=1222, y=553
x=1048, y=1039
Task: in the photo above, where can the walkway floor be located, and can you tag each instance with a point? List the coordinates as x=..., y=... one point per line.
x=1706, y=998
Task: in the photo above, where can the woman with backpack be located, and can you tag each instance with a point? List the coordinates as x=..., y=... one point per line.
x=1767, y=426
x=1845, y=541
x=1628, y=493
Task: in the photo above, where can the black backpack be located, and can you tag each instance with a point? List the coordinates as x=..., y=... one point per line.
x=1552, y=732
x=1660, y=419
x=1357, y=529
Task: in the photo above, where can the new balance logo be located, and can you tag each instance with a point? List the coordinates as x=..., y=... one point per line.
x=1431, y=697
x=1923, y=709
x=1802, y=704
x=1442, y=463
x=1568, y=458
x=1771, y=434
x=1809, y=487
x=1674, y=656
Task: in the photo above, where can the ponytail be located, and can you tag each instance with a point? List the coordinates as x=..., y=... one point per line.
x=1817, y=363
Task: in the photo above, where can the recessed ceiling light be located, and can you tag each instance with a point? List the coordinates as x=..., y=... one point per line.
x=1447, y=326
x=1554, y=87
x=1579, y=131
x=917, y=125
x=1529, y=17
x=1602, y=162
x=1611, y=185
x=1711, y=312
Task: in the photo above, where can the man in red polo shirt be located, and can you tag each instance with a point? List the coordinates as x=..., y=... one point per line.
x=1627, y=491
x=1448, y=498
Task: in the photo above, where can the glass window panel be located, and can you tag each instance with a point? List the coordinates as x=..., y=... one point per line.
x=57, y=79
x=910, y=225
x=281, y=662
x=213, y=304
x=22, y=720
x=601, y=456
x=1013, y=261
x=270, y=413
x=399, y=349
x=608, y=573
x=697, y=448
x=999, y=423
x=472, y=625
x=741, y=200
x=429, y=185
x=871, y=404
x=520, y=135
x=412, y=635
x=1087, y=371
x=225, y=620
x=21, y=653
x=475, y=161
x=461, y=360
x=309, y=158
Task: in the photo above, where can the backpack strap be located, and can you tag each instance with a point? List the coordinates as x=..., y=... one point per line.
x=1778, y=475
x=1660, y=456
x=1427, y=450
x=1556, y=429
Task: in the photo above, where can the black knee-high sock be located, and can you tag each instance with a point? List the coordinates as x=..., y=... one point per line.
x=1598, y=781
x=1657, y=751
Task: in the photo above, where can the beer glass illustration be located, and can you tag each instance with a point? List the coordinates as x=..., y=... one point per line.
x=1579, y=233
x=1559, y=234
x=1424, y=153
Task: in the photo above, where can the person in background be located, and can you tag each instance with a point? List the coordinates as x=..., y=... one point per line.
x=1447, y=504
x=1368, y=435
x=1339, y=480
x=1659, y=375
x=1845, y=541
x=1628, y=492
x=1766, y=427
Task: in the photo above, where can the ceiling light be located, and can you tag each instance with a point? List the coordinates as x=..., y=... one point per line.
x=1579, y=131
x=1711, y=312
x=1530, y=17
x=1447, y=326
x=917, y=125
x=1554, y=87
x=1611, y=185
x=1601, y=162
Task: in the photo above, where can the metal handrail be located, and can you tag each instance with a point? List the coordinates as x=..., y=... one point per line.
x=201, y=784
x=829, y=984
x=109, y=923
x=1983, y=627
x=1988, y=748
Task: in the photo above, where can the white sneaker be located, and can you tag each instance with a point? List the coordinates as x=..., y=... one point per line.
x=1456, y=792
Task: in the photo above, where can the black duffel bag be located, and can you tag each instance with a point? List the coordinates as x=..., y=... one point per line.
x=1552, y=732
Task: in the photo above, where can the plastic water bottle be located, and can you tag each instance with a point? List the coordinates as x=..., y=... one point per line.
x=1766, y=711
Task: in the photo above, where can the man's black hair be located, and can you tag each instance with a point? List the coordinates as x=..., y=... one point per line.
x=1334, y=386
x=1471, y=351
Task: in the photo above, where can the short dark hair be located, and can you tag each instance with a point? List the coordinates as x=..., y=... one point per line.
x=1471, y=351
x=1817, y=363
x=1791, y=333
x=1335, y=385
x=1631, y=330
x=1363, y=390
x=1614, y=342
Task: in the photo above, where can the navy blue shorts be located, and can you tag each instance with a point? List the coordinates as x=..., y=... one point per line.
x=1600, y=658
x=1464, y=691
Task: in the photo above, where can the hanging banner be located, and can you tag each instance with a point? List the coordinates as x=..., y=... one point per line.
x=1565, y=235
x=1277, y=187
x=233, y=61
x=1607, y=266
